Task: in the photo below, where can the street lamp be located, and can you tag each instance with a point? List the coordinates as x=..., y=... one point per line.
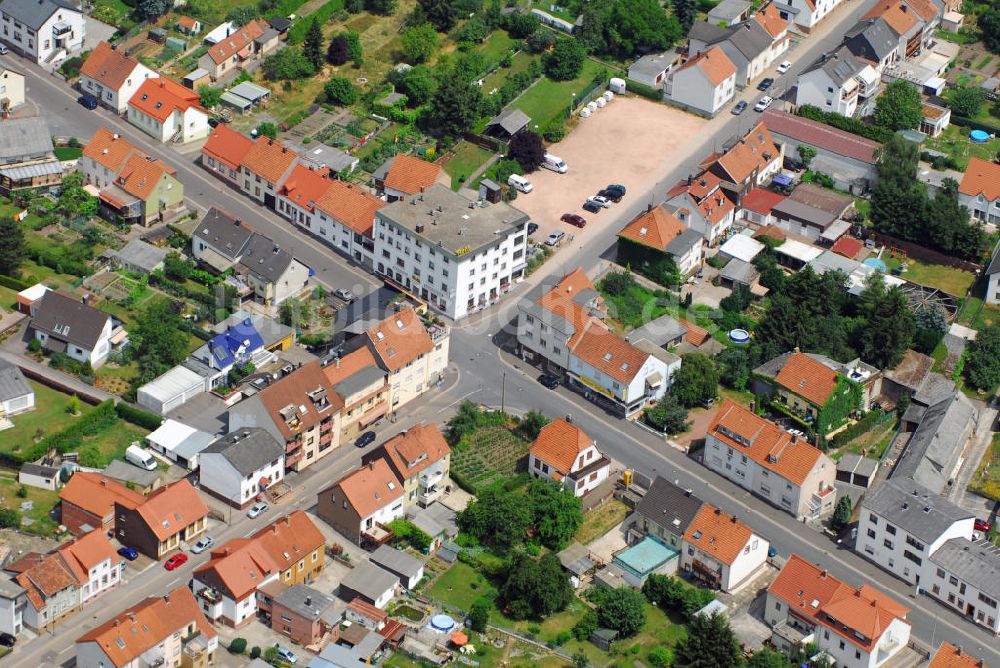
x=572, y=105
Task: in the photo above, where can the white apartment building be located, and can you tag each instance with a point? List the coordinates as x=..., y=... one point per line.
x=965, y=576
x=458, y=255
x=240, y=465
x=45, y=31
x=720, y=551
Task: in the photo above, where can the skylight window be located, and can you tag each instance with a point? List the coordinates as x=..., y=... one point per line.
x=380, y=335
x=697, y=535
x=607, y=357
x=399, y=323
x=120, y=643
x=392, y=485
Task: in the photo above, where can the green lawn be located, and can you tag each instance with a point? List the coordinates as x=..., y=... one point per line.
x=68, y=152
x=955, y=142
x=459, y=586
x=986, y=481
x=550, y=99
x=601, y=520
x=496, y=47
x=42, y=500
x=110, y=11
x=468, y=158
x=50, y=415
x=949, y=279
x=519, y=63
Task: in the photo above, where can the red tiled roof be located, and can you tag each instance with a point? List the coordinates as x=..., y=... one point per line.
x=416, y=448
x=808, y=378
x=291, y=393
x=187, y=22
x=655, y=228
x=227, y=146
x=170, y=509
x=896, y=15
x=981, y=178
x=108, y=66
x=400, y=339
x=848, y=247
x=820, y=135
x=770, y=20
x=352, y=205
x=558, y=444
x=227, y=47
x=695, y=335
x=158, y=98
x=713, y=63
x=290, y=538
x=304, y=187
x=559, y=301
x=718, y=534
x=609, y=353
x=410, y=175
x=108, y=149
x=753, y=152
x=370, y=487
x=141, y=174
x=269, y=159
x=949, y=656
x=761, y=201
x=97, y=494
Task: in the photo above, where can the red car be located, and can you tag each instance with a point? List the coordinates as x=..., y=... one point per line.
x=574, y=219
x=982, y=525
x=175, y=561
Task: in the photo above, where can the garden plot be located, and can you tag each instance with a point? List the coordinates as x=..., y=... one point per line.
x=490, y=453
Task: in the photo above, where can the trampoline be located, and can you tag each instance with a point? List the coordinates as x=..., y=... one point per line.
x=877, y=263
x=442, y=623
x=979, y=136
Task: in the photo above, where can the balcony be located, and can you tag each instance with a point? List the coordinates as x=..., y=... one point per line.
x=431, y=477
x=325, y=439
x=428, y=495
x=293, y=459
x=61, y=28
x=210, y=595
x=292, y=446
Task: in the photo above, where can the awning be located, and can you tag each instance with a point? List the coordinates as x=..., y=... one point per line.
x=33, y=171
x=783, y=180
x=654, y=379
x=118, y=337
x=835, y=231
x=374, y=415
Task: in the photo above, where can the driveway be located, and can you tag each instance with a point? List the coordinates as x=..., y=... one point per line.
x=97, y=32
x=626, y=142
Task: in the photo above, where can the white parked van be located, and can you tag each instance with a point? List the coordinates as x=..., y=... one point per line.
x=140, y=457
x=555, y=163
x=520, y=183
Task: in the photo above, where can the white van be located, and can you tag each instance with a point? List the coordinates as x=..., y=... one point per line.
x=140, y=457
x=555, y=163
x=520, y=183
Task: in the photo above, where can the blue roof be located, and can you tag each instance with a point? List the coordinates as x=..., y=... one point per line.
x=238, y=341
x=782, y=179
x=645, y=557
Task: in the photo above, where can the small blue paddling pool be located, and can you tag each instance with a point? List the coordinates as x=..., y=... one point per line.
x=979, y=136
x=739, y=335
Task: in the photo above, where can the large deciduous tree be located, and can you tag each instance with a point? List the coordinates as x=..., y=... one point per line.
x=899, y=107
x=709, y=643
x=527, y=148
x=565, y=60
x=982, y=362
x=624, y=610
x=696, y=381
x=626, y=28
x=668, y=416
x=442, y=14
x=455, y=105
x=535, y=589
x=419, y=43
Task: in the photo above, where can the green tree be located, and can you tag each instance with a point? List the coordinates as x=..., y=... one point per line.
x=540, y=40
x=176, y=267
x=157, y=339
x=340, y=90
x=287, y=64
x=520, y=26
x=889, y=326
x=527, y=148
x=354, y=51
x=151, y=9
x=240, y=16
x=497, y=517
x=441, y=13
x=626, y=28
x=336, y=53
x=209, y=97
x=419, y=43
x=381, y=7
x=474, y=31
x=531, y=425
x=899, y=107
x=696, y=381
x=76, y=201
x=535, y=589
x=9, y=518
x=624, y=610
x=967, y=101
x=417, y=83
x=738, y=300
x=455, y=105
x=735, y=366
x=74, y=405
x=806, y=154
x=765, y=657
x=565, y=60
x=949, y=227
x=841, y=513
x=668, y=415
x=237, y=645
x=557, y=512
x=989, y=26
x=312, y=47
x=710, y=643
x=932, y=324
x=267, y=129
x=982, y=358
x=12, y=248
x=479, y=614
x=686, y=11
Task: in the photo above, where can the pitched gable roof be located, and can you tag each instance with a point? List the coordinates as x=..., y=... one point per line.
x=770, y=20
x=304, y=187
x=35, y=14
x=141, y=174
x=753, y=152
x=807, y=378
x=981, y=178
x=108, y=66
x=170, y=509
x=574, y=299
x=669, y=506
x=765, y=442
x=160, y=97
x=97, y=494
x=415, y=449
x=290, y=538
x=370, y=487
x=224, y=232
x=108, y=149
x=718, y=534
x=411, y=175
x=229, y=46
x=126, y=636
x=299, y=400
x=896, y=14
x=237, y=568
x=351, y=205
x=558, y=444
x=400, y=339
x=609, y=353
x=949, y=656
x=820, y=135
x=227, y=146
x=46, y=578
x=88, y=551
x=713, y=63
x=656, y=228
x=269, y=159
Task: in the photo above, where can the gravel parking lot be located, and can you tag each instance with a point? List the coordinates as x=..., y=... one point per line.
x=632, y=141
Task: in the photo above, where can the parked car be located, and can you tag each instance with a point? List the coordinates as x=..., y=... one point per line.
x=574, y=219
x=592, y=207
x=128, y=553
x=982, y=525
x=610, y=194
x=344, y=294
x=549, y=381
x=532, y=228
x=772, y=552
x=7, y=639
x=285, y=654
x=3, y=50
x=765, y=83
x=555, y=238
x=365, y=439
x=708, y=403
x=739, y=107
x=256, y=509
x=764, y=103
x=88, y=101
x=203, y=544
x=784, y=67
x=620, y=189
x=600, y=200
x=175, y=561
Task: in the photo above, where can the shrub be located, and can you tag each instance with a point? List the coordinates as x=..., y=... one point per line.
x=34, y=346
x=644, y=90
x=138, y=417
x=255, y=652
x=238, y=646
x=9, y=518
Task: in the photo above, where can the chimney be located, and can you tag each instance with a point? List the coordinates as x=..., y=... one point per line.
x=958, y=650
x=131, y=615
x=336, y=363
x=733, y=519
x=569, y=418
x=718, y=511
x=309, y=600
x=822, y=574
x=371, y=465
x=166, y=598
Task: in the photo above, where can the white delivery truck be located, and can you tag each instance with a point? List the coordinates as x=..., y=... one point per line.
x=520, y=183
x=140, y=457
x=555, y=163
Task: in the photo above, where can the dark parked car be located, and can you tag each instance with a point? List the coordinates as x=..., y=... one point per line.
x=616, y=187
x=574, y=219
x=549, y=381
x=532, y=228
x=7, y=640
x=765, y=83
x=365, y=439
x=611, y=194
x=739, y=107
x=88, y=101
x=592, y=207
x=128, y=553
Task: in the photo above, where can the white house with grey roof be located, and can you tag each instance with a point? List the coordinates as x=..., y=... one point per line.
x=832, y=83
x=370, y=583
x=65, y=324
x=964, y=575
x=459, y=255
x=932, y=456
x=45, y=31
x=241, y=465
x=903, y=523
x=16, y=395
x=746, y=44
x=403, y=565
x=652, y=69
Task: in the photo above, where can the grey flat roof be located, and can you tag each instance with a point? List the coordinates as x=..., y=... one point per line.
x=821, y=198
x=358, y=380
x=305, y=601
x=35, y=170
x=512, y=121
x=918, y=510
x=855, y=463
x=10, y=589
x=249, y=91
x=739, y=271
x=141, y=254
x=976, y=562
x=669, y=506
x=447, y=221
x=656, y=63
x=12, y=382
x=660, y=331
x=791, y=209
x=24, y=137
x=684, y=242
x=397, y=561
x=194, y=75
x=729, y=9
x=369, y=580
x=39, y=470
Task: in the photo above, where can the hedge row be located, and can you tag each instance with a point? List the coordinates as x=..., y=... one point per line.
x=138, y=417
x=975, y=125
x=644, y=90
x=13, y=283
x=862, y=426
x=852, y=125
x=70, y=438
